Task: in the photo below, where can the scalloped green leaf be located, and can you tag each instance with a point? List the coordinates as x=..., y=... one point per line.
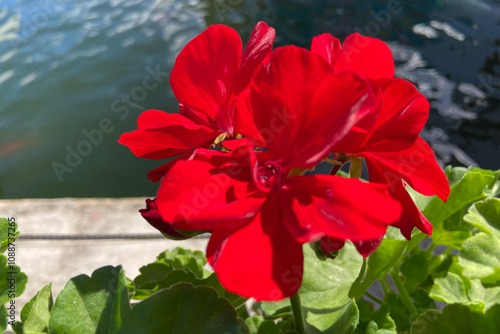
x=8, y=233
x=151, y=274
x=333, y=320
x=168, y=261
x=458, y=319
x=181, y=309
x=467, y=186
x=160, y=275
x=453, y=289
x=181, y=258
x=35, y=315
x=491, y=297
x=480, y=258
x=453, y=239
x=254, y=323
x=485, y=215
x=374, y=322
x=258, y=325
x=96, y=304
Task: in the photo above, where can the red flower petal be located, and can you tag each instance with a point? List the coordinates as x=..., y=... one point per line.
x=282, y=90
x=412, y=216
x=365, y=55
x=403, y=114
x=234, y=144
x=201, y=195
x=354, y=101
x=346, y=209
x=327, y=47
x=197, y=117
x=416, y=165
x=261, y=259
x=162, y=135
x=243, y=120
x=204, y=72
x=365, y=248
x=290, y=95
x=153, y=217
x=156, y=174
x=331, y=245
x=258, y=47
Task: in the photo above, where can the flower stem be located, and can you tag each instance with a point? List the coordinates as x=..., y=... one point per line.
x=405, y=297
x=385, y=286
x=298, y=316
x=428, y=251
x=372, y=297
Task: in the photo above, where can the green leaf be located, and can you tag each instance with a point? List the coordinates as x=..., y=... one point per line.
x=415, y=269
x=12, y=280
x=466, y=187
x=183, y=309
x=421, y=201
x=480, y=258
x=3, y=318
x=399, y=312
x=324, y=292
x=213, y=282
x=491, y=297
x=485, y=215
x=176, y=266
x=96, y=304
x=181, y=258
x=254, y=323
x=454, y=239
x=35, y=315
x=337, y=320
x=493, y=188
x=449, y=289
x=378, y=265
x=378, y=321
x=372, y=328
x=258, y=325
x=458, y=319
x=8, y=233
x=494, y=191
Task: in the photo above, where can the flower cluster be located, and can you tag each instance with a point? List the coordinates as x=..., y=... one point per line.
x=253, y=124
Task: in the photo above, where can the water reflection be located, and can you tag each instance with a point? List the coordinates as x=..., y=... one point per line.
x=67, y=66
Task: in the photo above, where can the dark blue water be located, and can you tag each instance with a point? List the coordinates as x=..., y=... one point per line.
x=75, y=75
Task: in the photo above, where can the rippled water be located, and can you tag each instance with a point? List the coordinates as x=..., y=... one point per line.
x=72, y=70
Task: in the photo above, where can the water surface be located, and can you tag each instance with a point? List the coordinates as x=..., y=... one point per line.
x=73, y=70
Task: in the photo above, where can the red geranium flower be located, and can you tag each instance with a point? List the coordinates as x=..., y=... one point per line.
x=208, y=75
x=393, y=152
x=258, y=206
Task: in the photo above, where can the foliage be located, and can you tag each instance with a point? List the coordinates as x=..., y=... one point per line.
x=447, y=284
